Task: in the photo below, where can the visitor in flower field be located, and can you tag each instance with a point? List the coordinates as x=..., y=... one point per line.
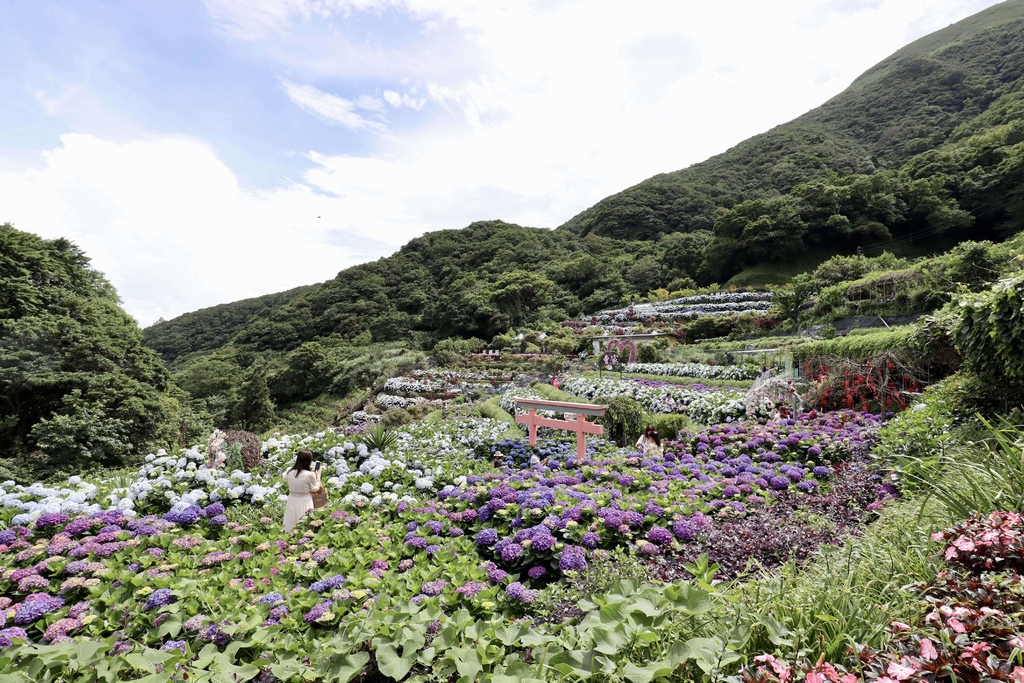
x=302, y=481
x=653, y=447
x=781, y=411
x=645, y=439
x=535, y=458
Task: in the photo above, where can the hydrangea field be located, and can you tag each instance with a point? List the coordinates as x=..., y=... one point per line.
x=437, y=558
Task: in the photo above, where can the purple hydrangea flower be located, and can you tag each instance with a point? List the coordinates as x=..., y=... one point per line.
x=590, y=539
x=573, y=559
x=271, y=599
x=779, y=483
x=319, y=610
x=186, y=516
x=511, y=552
x=330, y=583
x=214, y=510
x=36, y=606
x=497, y=575
x=518, y=591
x=218, y=520
x=470, y=589
x=433, y=588
x=821, y=472
x=536, y=572
x=660, y=535
x=543, y=542
x=173, y=645
x=159, y=598
x=684, y=530
x=8, y=634
x=51, y=519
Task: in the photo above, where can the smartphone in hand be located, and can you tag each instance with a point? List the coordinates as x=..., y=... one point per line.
x=317, y=468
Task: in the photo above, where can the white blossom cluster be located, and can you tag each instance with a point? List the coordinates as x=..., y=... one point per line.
x=701, y=406
x=698, y=370
x=389, y=401
x=37, y=499
x=409, y=385
x=167, y=481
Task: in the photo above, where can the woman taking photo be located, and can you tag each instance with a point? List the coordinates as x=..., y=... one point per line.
x=302, y=481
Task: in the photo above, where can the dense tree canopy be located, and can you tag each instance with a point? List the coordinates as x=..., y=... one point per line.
x=75, y=379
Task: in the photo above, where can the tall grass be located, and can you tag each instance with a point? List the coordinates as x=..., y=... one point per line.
x=848, y=595
x=987, y=475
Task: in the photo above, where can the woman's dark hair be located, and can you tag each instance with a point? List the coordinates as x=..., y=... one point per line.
x=656, y=436
x=303, y=462
x=649, y=430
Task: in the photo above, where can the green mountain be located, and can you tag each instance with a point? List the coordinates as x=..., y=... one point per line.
x=904, y=153
x=923, y=151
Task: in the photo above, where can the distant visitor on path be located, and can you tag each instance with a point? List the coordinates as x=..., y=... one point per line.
x=302, y=481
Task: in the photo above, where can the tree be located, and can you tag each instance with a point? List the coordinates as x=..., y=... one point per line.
x=63, y=335
x=684, y=252
x=520, y=292
x=254, y=411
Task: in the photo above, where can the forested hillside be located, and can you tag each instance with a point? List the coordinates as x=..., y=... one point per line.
x=75, y=378
x=476, y=282
x=926, y=142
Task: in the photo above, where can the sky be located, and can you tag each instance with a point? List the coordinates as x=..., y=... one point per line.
x=206, y=151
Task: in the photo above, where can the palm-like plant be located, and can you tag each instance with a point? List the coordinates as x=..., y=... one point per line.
x=379, y=438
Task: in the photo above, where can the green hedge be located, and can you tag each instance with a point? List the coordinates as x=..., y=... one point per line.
x=551, y=394
x=492, y=410
x=858, y=345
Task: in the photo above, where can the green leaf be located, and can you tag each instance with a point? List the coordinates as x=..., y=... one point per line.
x=645, y=674
x=343, y=668
x=608, y=641
x=467, y=661
x=689, y=599
x=391, y=664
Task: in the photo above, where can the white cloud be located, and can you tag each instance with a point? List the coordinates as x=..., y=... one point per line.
x=397, y=100
x=54, y=106
x=333, y=109
x=168, y=224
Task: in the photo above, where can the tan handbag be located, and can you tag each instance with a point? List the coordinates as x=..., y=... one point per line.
x=319, y=498
x=319, y=495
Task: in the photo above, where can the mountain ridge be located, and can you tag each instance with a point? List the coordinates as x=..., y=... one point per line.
x=927, y=144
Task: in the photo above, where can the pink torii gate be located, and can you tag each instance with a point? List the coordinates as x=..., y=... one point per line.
x=579, y=425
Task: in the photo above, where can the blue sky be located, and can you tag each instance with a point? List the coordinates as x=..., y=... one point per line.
x=203, y=151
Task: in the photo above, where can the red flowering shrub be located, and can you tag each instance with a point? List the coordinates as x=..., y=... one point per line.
x=882, y=383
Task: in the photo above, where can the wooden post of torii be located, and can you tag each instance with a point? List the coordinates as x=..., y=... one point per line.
x=579, y=425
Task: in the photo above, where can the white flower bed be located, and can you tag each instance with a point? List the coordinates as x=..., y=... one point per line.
x=77, y=498
x=698, y=370
x=389, y=401
x=719, y=303
x=701, y=406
